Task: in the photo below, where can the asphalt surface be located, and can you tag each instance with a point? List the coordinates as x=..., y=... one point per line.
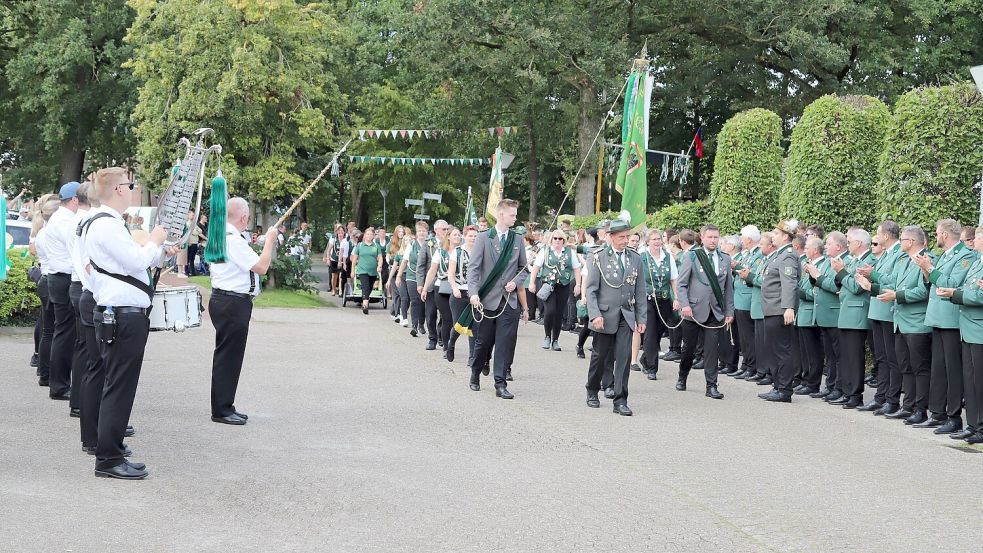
x=360, y=440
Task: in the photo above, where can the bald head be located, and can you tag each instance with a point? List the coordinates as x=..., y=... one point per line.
x=237, y=213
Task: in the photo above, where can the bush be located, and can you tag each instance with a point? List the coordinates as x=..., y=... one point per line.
x=587, y=221
x=289, y=272
x=747, y=173
x=19, y=300
x=932, y=159
x=831, y=176
x=691, y=215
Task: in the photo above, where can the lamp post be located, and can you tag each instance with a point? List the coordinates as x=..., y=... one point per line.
x=384, y=193
x=977, y=73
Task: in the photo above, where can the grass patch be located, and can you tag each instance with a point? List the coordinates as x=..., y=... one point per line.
x=274, y=298
x=203, y=281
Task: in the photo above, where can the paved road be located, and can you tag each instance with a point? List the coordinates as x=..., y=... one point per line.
x=359, y=440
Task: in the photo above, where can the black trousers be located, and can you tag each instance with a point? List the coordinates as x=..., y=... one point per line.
x=811, y=346
x=122, y=361
x=914, y=353
x=230, y=317
x=496, y=335
x=831, y=352
x=676, y=339
x=416, y=305
x=367, y=282
x=458, y=305
x=711, y=345
x=889, y=373
x=63, y=340
x=852, y=359
x=80, y=357
x=431, y=313
x=47, y=329
x=192, y=254
x=555, y=306
x=778, y=337
x=945, y=397
x=973, y=384
x=762, y=351
x=745, y=327
x=404, y=300
x=730, y=346
x=659, y=313
x=877, y=356
x=618, y=344
x=93, y=378
x=444, y=309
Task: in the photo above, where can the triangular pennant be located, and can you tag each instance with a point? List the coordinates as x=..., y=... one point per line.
x=402, y=134
x=508, y=130
x=378, y=133
x=500, y=131
x=361, y=135
x=426, y=134
x=491, y=132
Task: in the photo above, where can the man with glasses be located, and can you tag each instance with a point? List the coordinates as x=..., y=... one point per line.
x=853, y=323
x=827, y=309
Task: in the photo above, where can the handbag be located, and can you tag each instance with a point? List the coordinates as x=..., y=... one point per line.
x=34, y=274
x=545, y=291
x=444, y=287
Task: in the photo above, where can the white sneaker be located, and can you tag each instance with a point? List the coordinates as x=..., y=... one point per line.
x=405, y=323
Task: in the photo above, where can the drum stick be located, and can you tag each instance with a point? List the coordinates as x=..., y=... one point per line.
x=310, y=187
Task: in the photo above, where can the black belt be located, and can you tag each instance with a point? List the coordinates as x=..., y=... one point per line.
x=123, y=310
x=69, y=275
x=220, y=292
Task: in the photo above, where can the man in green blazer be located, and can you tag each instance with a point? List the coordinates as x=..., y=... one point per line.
x=910, y=296
x=827, y=307
x=810, y=339
x=751, y=275
x=750, y=256
x=853, y=323
x=969, y=298
x=945, y=398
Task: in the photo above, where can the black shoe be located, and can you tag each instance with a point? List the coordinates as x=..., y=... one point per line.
x=609, y=393
x=652, y=375
x=546, y=343
x=680, y=385
x=962, y=434
x=413, y=332
x=672, y=356
x=766, y=395
x=635, y=367
x=698, y=365
x=75, y=412
x=975, y=438
x=833, y=396
x=755, y=377
x=450, y=354
x=508, y=376
x=853, y=403
x=122, y=471
x=741, y=375
x=842, y=400
x=870, y=407
x=486, y=370
x=503, y=393
x=931, y=422
x=137, y=466
x=242, y=416
x=474, y=386
x=580, y=352
x=592, y=400
x=440, y=343
x=556, y=346
x=916, y=418
x=61, y=397
x=365, y=310
x=232, y=419
x=901, y=413
x=766, y=381
x=951, y=426
x=34, y=360
x=622, y=409
x=713, y=393
x=821, y=393
x=779, y=397
x=805, y=391
x=886, y=409
x=431, y=346
x=129, y=432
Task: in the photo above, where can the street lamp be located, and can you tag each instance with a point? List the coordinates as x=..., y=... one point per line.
x=384, y=193
x=977, y=73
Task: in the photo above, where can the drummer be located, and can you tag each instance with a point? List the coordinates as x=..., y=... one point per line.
x=234, y=285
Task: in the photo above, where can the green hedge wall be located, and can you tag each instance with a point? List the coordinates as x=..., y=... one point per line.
x=18, y=295
x=691, y=215
x=747, y=173
x=932, y=156
x=831, y=176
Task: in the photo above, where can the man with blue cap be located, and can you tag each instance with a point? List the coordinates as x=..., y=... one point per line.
x=58, y=244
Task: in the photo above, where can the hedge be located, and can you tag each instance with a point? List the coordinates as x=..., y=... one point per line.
x=19, y=300
x=691, y=215
x=932, y=157
x=747, y=173
x=831, y=175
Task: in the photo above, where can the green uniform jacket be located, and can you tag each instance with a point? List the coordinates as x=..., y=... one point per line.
x=742, y=291
x=753, y=280
x=883, y=310
x=827, y=294
x=854, y=300
x=969, y=298
x=950, y=272
x=807, y=298
x=912, y=300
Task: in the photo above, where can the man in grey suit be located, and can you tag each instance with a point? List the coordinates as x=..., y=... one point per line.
x=780, y=302
x=499, y=317
x=422, y=267
x=616, y=308
x=706, y=294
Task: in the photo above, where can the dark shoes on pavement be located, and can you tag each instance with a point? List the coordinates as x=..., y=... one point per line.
x=123, y=471
x=503, y=393
x=622, y=409
x=713, y=393
x=232, y=419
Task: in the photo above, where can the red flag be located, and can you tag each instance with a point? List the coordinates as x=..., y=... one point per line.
x=698, y=140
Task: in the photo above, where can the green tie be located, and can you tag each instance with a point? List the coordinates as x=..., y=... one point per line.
x=621, y=262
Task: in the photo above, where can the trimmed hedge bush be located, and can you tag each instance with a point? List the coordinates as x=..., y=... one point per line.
x=831, y=175
x=932, y=157
x=691, y=215
x=747, y=173
x=587, y=221
x=19, y=299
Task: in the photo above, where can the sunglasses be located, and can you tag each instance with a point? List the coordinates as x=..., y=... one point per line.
x=131, y=185
x=875, y=244
x=558, y=238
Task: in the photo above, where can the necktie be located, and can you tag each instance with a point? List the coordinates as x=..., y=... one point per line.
x=621, y=262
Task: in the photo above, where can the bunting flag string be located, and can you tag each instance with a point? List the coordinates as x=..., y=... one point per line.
x=382, y=160
x=433, y=134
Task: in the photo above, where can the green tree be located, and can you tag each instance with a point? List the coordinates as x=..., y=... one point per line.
x=748, y=171
x=930, y=167
x=681, y=215
x=830, y=175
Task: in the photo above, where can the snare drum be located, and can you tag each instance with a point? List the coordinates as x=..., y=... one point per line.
x=176, y=308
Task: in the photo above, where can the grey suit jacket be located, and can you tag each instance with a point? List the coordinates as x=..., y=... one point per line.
x=423, y=260
x=694, y=287
x=780, y=282
x=484, y=255
x=613, y=295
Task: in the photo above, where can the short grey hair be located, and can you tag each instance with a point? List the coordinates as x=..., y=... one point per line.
x=838, y=237
x=951, y=226
x=859, y=234
x=815, y=244
x=237, y=205
x=733, y=240
x=916, y=233
x=752, y=233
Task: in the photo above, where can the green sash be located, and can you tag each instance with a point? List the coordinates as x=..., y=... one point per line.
x=708, y=269
x=466, y=320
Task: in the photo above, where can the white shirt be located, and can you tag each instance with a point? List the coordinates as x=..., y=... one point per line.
x=715, y=259
x=541, y=258
x=673, y=271
x=79, y=261
x=59, y=239
x=108, y=244
x=236, y=275
x=39, y=245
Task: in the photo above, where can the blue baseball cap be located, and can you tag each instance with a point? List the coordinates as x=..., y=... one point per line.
x=69, y=190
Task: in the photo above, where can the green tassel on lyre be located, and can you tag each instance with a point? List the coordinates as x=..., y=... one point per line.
x=215, y=248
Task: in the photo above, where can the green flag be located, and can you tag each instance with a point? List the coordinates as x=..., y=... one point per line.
x=470, y=217
x=495, y=187
x=631, y=169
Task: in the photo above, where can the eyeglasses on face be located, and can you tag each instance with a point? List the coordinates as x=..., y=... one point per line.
x=557, y=238
x=131, y=185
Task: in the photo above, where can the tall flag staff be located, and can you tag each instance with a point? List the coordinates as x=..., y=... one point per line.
x=634, y=132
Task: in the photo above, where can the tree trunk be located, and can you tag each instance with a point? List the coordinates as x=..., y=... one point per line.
x=533, y=171
x=360, y=208
x=588, y=123
x=71, y=162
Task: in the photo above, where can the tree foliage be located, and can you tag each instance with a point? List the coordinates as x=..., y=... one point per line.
x=748, y=171
x=681, y=215
x=831, y=172
x=930, y=167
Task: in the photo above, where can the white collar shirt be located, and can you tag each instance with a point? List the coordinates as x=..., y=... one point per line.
x=79, y=261
x=40, y=240
x=236, y=275
x=108, y=245
x=673, y=270
x=59, y=240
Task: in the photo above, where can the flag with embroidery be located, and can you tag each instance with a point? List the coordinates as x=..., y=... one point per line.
x=631, y=170
x=495, y=187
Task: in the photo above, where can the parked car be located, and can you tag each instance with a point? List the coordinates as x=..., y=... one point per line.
x=21, y=232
